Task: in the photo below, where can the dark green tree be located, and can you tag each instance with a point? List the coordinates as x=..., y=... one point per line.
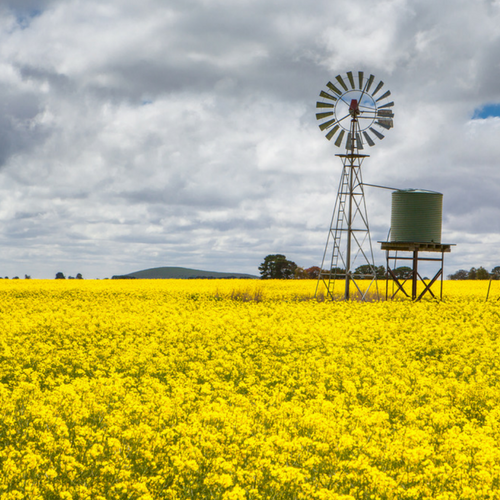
x=462, y=274
x=277, y=267
x=403, y=272
x=366, y=272
x=472, y=274
x=60, y=276
x=482, y=274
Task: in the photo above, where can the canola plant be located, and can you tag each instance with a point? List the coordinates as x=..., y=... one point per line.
x=216, y=389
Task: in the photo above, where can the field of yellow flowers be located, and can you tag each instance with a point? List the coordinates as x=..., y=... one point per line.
x=228, y=389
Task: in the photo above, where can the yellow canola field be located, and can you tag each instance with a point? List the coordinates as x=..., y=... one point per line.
x=246, y=390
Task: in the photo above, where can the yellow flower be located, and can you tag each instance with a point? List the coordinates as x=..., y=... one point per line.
x=245, y=389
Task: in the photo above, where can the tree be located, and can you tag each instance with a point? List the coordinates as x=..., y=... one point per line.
x=482, y=274
x=367, y=271
x=300, y=273
x=277, y=267
x=364, y=271
x=79, y=276
x=381, y=272
x=337, y=271
x=60, y=276
x=313, y=272
x=472, y=274
x=403, y=272
x=495, y=273
x=462, y=274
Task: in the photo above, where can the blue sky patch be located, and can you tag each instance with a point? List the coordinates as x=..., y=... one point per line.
x=487, y=111
x=24, y=17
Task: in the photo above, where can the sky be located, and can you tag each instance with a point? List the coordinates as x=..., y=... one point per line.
x=182, y=133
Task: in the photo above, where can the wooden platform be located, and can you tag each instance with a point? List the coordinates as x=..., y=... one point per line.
x=415, y=246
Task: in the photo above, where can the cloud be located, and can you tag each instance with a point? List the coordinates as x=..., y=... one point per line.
x=142, y=134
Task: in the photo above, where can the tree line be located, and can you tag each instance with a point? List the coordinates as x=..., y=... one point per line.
x=60, y=276
x=277, y=266
x=476, y=274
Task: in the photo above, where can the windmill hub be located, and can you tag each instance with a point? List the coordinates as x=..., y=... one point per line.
x=354, y=108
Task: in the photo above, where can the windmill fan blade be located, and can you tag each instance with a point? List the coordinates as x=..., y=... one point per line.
x=331, y=86
x=324, y=105
x=379, y=86
x=387, y=94
x=385, y=122
x=385, y=112
x=348, y=144
x=341, y=81
x=327, y=124
x=338, y=142
x=332, y=132
x=388, y=105
x=369, y=140
x=360, y=75
x=327, y=96
x=359, y=142
x=320, y=116
x=377, y=133
x=351, y=79
x=369, y=83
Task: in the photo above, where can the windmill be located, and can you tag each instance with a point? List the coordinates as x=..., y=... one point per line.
x=354, y=112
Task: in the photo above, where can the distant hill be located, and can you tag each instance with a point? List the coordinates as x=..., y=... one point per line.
x=164, y=273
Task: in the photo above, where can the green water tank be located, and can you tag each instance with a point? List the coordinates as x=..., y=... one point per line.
x=416, y=216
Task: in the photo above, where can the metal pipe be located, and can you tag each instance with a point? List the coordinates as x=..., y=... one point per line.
x=381, y=187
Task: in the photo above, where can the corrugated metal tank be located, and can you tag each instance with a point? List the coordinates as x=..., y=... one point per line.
x=416, y=216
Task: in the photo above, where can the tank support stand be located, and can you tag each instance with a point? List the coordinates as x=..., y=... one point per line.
x=392, y=249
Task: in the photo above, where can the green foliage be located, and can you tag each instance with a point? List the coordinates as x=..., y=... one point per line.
x=300, y=273
x=462, y=274
x=368, y=271
x=475, y=274
x=403, y=272
x=277, y=267
x=482, y=274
